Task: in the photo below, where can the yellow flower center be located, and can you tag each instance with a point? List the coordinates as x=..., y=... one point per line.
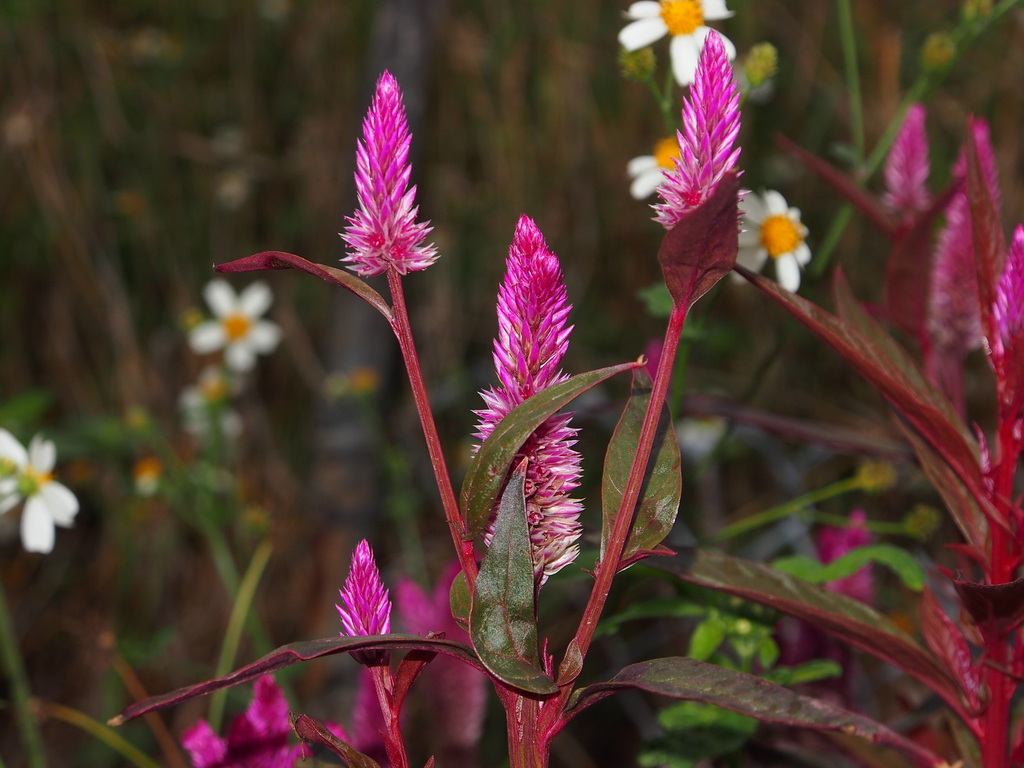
x=779, y=235
x=32, y=480
x=236, y=326
x=213, y=388
x=665, y=152
x=7, y=467
x=682, y=17
x=148, y=469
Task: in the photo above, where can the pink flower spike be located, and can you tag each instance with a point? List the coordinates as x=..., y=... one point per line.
x=365, y=608
x=833, y=543
x=1009, y=305
x=532, y=339
x=906, y=167
x=383, y=234
x=711, y=124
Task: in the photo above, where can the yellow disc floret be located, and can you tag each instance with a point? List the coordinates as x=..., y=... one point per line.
x=31, y=481
x=666, y=151
x=236, y=326
x=781, y=235
x=682, y=17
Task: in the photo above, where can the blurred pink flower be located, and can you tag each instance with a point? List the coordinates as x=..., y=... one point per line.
x=383, y=233
x=834, y=542
x=906, y=166
x=711, y=123
x=532, y=339
x=365, y=608
x=1009, y=305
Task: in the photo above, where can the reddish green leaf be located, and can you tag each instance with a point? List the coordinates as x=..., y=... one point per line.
x=459, y=600
x=503, y=619
x=281, y=260
x=693, y=680
x=663, y=482
x=312, y=731
x=487, y=473
x=839, y=615
x=986, y=231
x=701, y=249
x=296, y=653
x=996, y=608
x=410, y=668
x=948, y=643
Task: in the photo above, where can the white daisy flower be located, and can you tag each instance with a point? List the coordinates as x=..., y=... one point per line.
x=28, y=475
x=647, y=172
x=772, y=228
x=684, y=21
x=236, y=327
x=205, y=404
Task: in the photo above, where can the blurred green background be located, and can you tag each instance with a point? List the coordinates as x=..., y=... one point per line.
x=142, y=141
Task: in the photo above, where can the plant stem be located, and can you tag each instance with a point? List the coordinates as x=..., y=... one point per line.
x=384, y=685
x=526, y=744
x=403, y=331
x=31, y=738
x=100, y=732
x=849, y=43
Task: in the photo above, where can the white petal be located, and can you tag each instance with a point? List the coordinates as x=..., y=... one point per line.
x=775, y=203
x=750, y=238
x=36, y=527
x=684, y=50
x=642, y=33
x=753, y=210
x=802, y=254
x=638, y=165
x=255, y=300
x=8, y=500
x=240, y=357
x=207, y=337
x=221, y=297
x=644, y=9
x=715, y=10
x=61, y=503
x=787, y=272
x=646, y=183
x=752, y=258
x=11, y=449
x=264, y=336
x=42, y=454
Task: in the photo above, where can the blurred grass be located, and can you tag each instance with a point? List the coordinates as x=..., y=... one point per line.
x=143, y=140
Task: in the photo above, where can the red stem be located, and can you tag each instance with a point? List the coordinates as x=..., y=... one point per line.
x=384, y=684
x=403, y=331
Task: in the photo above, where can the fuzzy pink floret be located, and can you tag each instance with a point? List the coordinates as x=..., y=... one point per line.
x=532, y=339
x=906, y=167
x=365, y=608
x=1009, y=305
x=711, y=124
x=383, y=233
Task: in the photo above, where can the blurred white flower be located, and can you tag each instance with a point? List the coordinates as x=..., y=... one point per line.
x=646, y=172
x=684, y=21
x=28, y=475
x=772, y=228
x=236, y=327
x=206, y=403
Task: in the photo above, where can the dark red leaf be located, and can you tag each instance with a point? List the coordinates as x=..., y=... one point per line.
x=693, y=680
x=996, y=608
x=701, y=249
x=314, y=732
x=850, y=620
x=948, y=643
x=296, y=653
x=281, y=260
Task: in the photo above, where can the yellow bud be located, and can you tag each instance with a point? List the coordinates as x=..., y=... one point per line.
x=938, y=51
x=876, y=476
x=922, y=521
x=637, y=65
x=975, y=9
x=191, y=318
x=761, y=64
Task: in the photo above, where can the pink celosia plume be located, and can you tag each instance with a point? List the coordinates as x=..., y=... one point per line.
x=365, y=608
x=835, y=542
x=532, y=339
x=383, y=233
x=711, y=123
x=1008, y=309
x=906, y=166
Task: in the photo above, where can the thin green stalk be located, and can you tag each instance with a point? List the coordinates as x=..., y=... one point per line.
x=791, y=507
x=848, y=39
x=100, y=732
x=233, y=635
x=31, y=738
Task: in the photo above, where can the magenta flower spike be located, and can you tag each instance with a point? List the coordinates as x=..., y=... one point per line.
x=832, y=543
x=258, y=738
x=365, y=608
x=711, y=124
x=532, y=339
x=383, y=233
x=907, y=168
x=1008, y=309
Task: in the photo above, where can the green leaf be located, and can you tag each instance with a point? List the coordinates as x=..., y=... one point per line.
x=706, y=638
x=898, y=560
x=697, y=731
x=503, y=619
x=656, y=299
x=808, y=672
x=490, y=466
x=662, y=608
x=845, y=618
x=459, y=599
x=663, y=482
x=693, y=680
